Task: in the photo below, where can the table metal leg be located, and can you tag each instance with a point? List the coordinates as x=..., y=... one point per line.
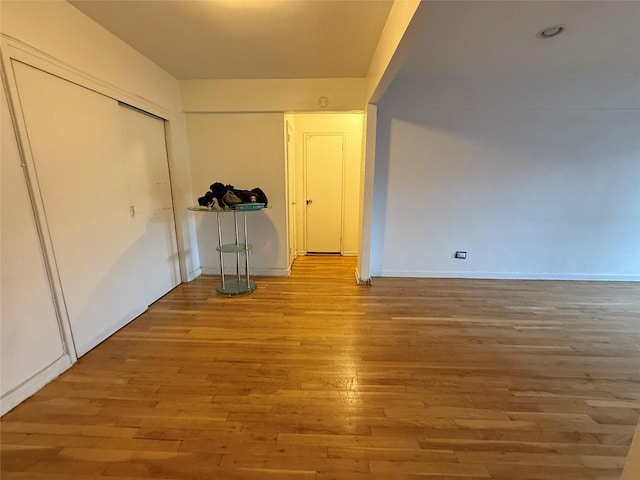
x=235, y=223
x=221, y=254
x=246, y=249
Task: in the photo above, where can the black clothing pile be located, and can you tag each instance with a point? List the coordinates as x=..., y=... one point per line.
x=227, y=196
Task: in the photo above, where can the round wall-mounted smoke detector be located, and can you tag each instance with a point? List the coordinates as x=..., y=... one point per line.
x=550, y=32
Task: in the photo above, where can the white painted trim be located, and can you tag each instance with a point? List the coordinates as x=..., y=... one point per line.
x=349, y=253
x=24, y=53
x=102, y=336
x=266, y=272
x=37, y=203
x=195, y=273
x=366, y=191
x=362, y=281
x=290, y=190
x=179, y=214
x=270, y=272
x=30, y=386
x=509, y=276
x=343, y=188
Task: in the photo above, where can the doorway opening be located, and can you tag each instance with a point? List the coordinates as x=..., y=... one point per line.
x=323, y=158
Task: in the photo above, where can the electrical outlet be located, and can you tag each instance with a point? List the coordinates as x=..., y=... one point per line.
x=462, y=255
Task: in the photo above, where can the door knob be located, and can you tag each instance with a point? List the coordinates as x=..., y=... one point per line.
x=309, y=202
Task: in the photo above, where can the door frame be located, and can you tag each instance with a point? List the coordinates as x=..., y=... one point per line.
x=290, y=191
x=307, y=135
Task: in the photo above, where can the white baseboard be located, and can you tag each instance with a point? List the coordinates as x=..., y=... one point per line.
x=98, y=339
x=195, y=273
x=346, y=253
x=360, y=280
x=27, y=388
x=266, y=272
x=509, y=276
x=271, y=272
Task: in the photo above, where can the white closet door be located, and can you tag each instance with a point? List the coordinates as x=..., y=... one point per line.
x=75, y=143
x=30, y=338
x=147, y=170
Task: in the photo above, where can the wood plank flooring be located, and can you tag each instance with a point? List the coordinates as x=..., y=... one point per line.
x=313, y=377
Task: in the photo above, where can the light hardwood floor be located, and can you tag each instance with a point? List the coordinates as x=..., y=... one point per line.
x=313, y=377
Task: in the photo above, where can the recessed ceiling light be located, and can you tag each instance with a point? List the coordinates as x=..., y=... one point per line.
x=550, y=31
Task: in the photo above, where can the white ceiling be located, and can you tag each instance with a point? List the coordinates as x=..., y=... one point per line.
x=213, y=39
x=477, y=38
x=196, y=39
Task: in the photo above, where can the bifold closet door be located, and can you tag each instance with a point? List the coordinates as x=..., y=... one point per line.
x=82, y=162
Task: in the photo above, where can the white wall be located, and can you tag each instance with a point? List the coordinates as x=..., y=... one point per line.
x=247, y=151
x=231, y=107
x=53, y=28
x=351, y=124
x=56, y=36
x=272, y=95
x=533, y=177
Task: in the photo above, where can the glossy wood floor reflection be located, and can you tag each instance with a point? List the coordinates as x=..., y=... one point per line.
x=312, y=377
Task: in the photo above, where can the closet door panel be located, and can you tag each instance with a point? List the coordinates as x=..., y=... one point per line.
x=30, y=337
x=156, y=250
x=145, y=150
x=75, y=144
x=147, y=171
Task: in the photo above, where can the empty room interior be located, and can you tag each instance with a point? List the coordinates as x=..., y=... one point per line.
x=320, y=240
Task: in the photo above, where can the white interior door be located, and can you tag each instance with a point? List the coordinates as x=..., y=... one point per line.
x=323, y=182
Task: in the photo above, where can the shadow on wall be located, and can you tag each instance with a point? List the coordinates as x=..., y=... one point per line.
x=525, y=190
x=145, y=270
